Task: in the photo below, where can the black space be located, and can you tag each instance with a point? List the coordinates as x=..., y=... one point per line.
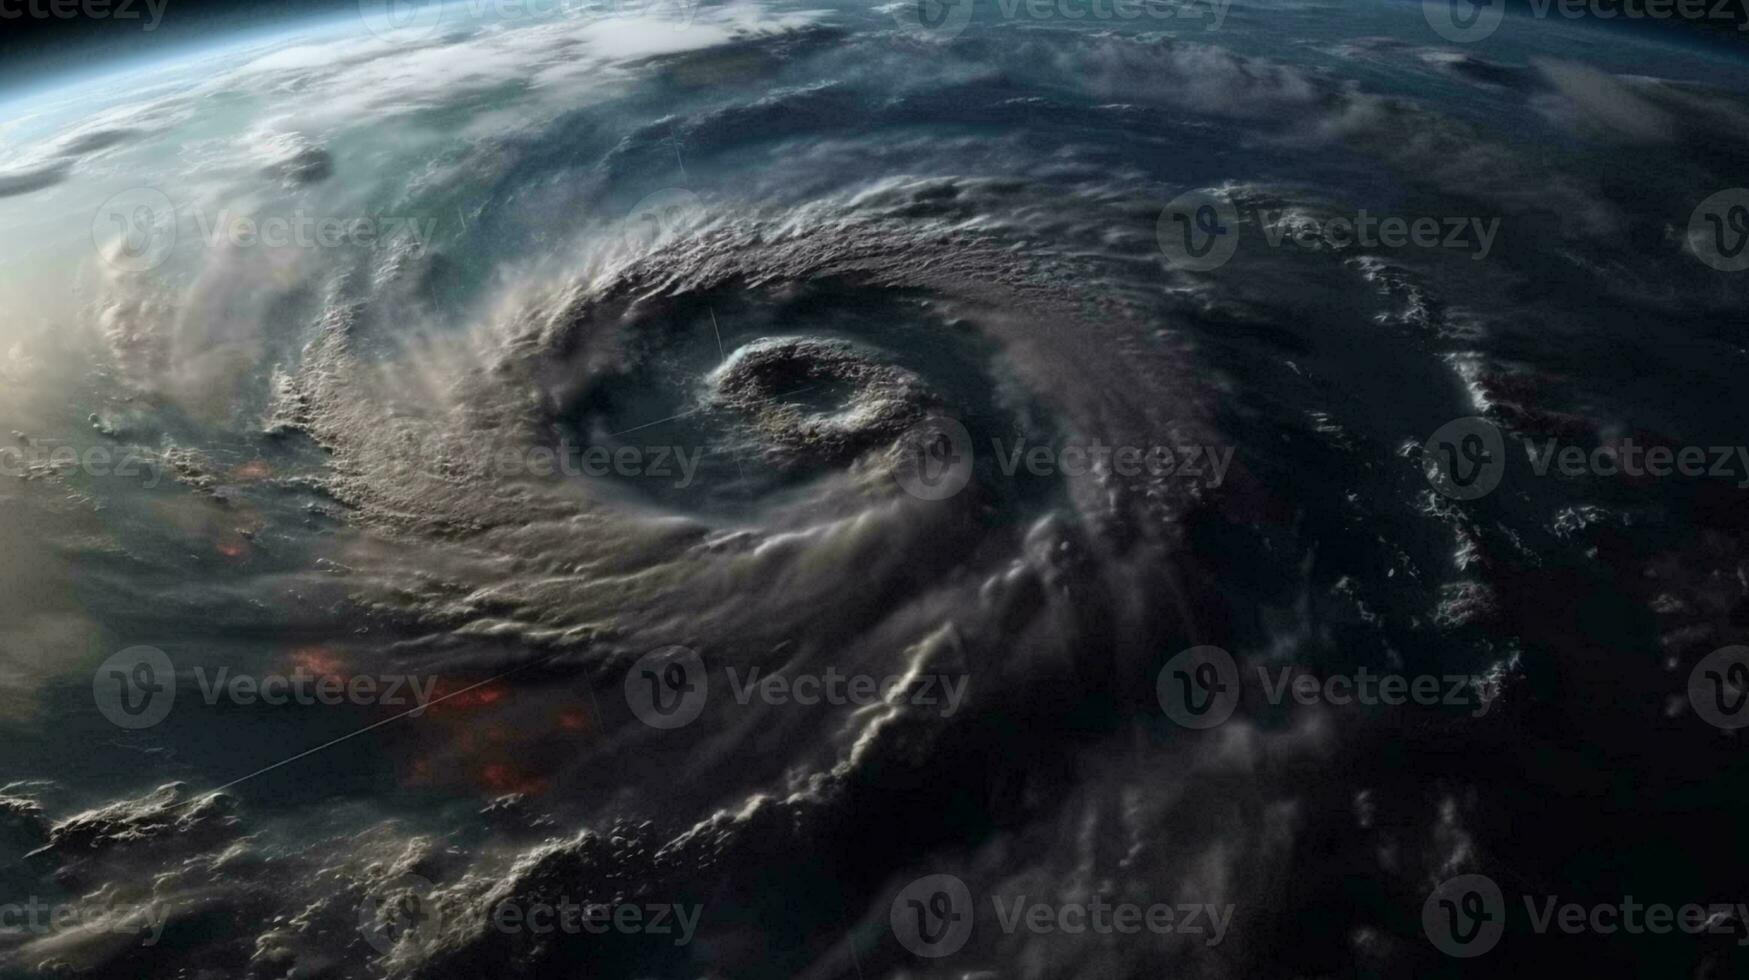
x=33, y=46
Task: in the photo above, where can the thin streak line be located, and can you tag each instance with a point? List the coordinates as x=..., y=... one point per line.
x=851, y=943
x=646, y=425
x=740, y=470
x=599, y=717
x=675, y=142
x=361, y=731
x=695, y=411
x=719, y=331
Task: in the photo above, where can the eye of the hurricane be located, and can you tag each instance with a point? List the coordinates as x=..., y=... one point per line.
x=730, y=402
x=805, y=400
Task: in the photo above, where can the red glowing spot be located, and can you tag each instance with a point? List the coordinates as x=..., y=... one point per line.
x=460, y=696
x=500, y=778
x=232, y=549
x=319, y=661
x=572, y=720
x=255, y=469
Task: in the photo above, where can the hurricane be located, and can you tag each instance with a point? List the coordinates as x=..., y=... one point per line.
x=780, y=490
